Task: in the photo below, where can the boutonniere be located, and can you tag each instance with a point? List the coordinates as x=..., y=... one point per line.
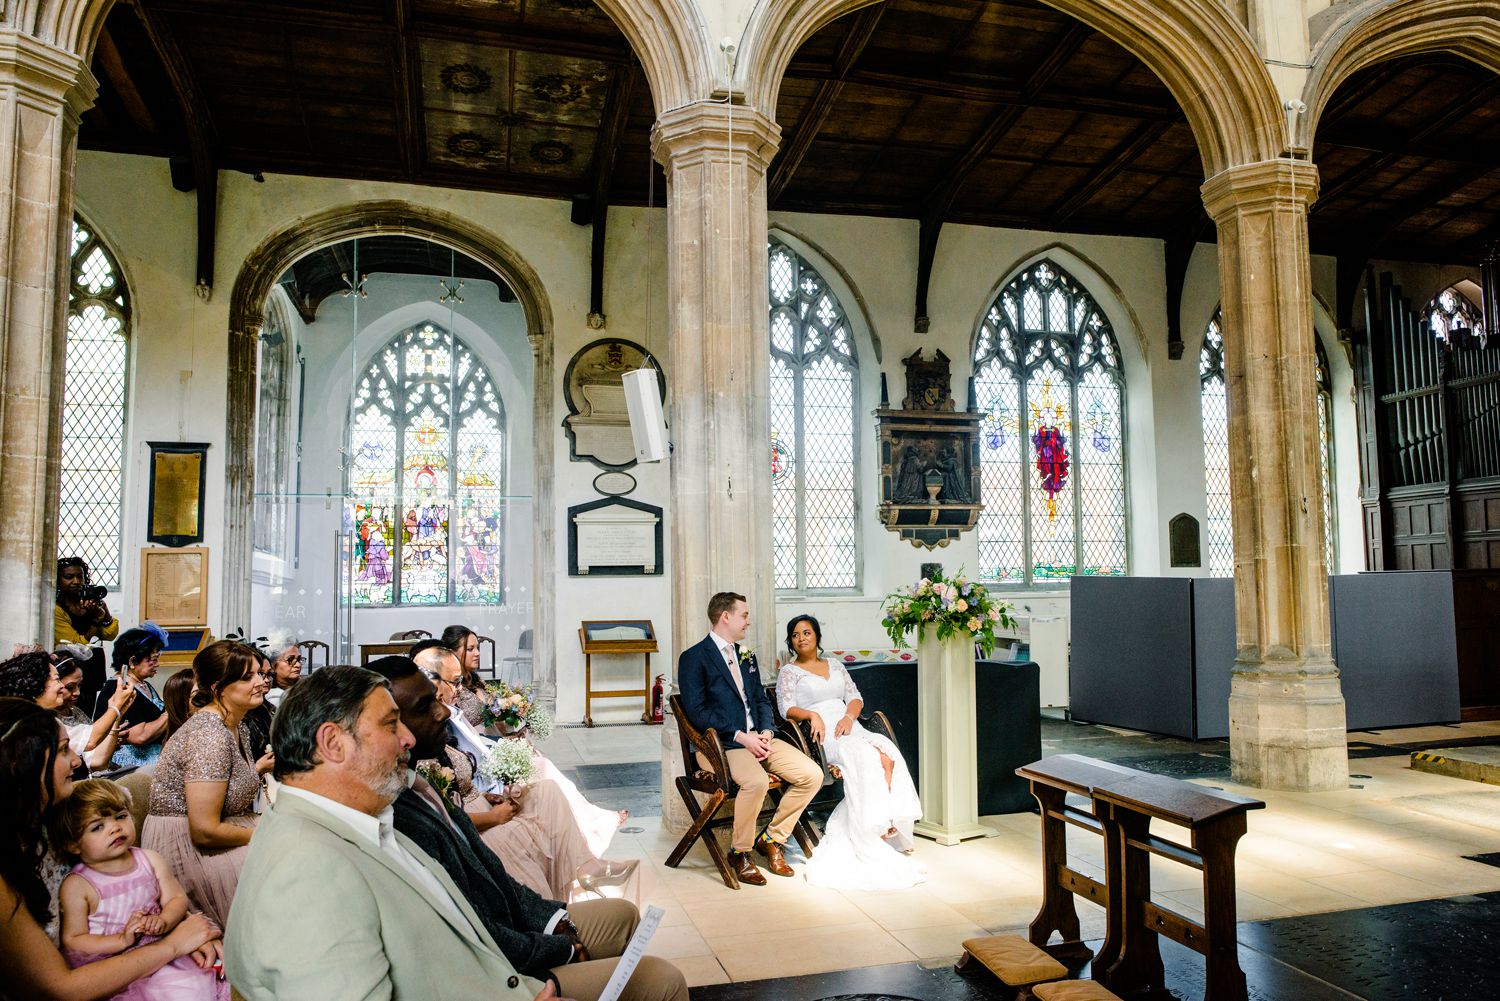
x=747, y=656
x=442, y=779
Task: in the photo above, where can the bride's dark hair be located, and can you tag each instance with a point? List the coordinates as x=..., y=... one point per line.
x=792, y=625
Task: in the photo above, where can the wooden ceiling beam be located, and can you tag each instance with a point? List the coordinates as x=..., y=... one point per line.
x=617, y=101
x=815, y=113
x=1453, y=112
x=1470, y=150
x=1119, y=158
x=107, y=55
x=1368, y=239
x=407, y=67
x=199, y=133
x=939, y=201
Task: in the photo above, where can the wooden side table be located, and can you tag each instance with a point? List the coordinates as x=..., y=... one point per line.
x=615, y=636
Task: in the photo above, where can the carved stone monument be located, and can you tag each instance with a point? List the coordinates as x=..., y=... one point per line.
x=929, y=457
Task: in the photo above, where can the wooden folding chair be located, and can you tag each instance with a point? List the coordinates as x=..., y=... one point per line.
x=716, y=783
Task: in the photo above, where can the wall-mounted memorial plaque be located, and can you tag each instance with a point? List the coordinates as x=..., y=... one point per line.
x=1182, y=532
x=174, y=586
x=598, y=423
x=177, y=483
x=614, y=537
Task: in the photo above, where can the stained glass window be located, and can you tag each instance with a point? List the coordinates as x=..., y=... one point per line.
x=93, y=434
x=1220, y=533
x=426, y=469
x=814, y=389
x=1047, y=377
x=1454, y=318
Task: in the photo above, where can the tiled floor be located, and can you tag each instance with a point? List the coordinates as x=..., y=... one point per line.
x=1390, y=838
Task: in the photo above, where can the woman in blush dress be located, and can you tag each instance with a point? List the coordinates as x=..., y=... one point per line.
x=868, y=841
x=203, y=794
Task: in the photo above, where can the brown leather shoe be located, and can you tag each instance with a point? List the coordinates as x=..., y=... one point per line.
x=745, y=869
x=774, y=859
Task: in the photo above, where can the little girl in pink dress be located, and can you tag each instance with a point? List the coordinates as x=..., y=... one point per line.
x=118, y=897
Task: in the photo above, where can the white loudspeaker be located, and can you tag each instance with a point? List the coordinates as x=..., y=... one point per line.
x=648, y=428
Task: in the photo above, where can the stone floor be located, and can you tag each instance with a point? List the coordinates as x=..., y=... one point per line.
x=1394, y=836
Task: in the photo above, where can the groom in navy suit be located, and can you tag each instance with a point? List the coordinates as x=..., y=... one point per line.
x=721, y=689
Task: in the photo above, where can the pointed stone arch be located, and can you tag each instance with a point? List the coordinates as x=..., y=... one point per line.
x=252, y=286
x=1381, y=30
x=1201, y=53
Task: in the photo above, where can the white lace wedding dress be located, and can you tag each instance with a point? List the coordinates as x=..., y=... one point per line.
x=854, y=855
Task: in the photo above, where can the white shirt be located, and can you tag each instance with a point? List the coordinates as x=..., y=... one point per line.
x=378, y=833
x=732, y=661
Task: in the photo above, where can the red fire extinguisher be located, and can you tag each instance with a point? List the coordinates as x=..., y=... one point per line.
x=658, y=693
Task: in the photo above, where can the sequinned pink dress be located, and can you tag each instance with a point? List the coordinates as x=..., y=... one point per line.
x=121, y=896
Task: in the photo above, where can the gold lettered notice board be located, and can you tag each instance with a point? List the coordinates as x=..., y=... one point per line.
x=174, y=586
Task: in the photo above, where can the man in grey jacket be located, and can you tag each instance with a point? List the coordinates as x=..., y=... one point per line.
x=333, y=902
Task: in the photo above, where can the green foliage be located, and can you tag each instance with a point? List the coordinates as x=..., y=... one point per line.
x=954, y=606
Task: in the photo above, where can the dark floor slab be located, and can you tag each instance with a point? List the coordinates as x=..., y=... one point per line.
x=1431, y=950
x=634, y=786
x=1488, y=858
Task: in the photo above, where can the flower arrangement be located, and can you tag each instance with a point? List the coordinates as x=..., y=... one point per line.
x=505, y=706
x=442, y=779
x=952, y=605
x=538, y=722
x=509, y=761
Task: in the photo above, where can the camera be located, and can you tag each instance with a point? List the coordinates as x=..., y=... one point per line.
x=92, y=592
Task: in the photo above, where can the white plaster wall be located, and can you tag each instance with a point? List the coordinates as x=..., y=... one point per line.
x=871, y=265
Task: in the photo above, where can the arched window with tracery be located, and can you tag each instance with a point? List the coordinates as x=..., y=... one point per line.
x=426, y=476
x=91, y=495
x=274, y=372
x=1454, y=318
x=1219, y=533
x=1047, y=376
x=814, y=392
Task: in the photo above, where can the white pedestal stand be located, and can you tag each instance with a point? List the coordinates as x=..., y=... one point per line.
x=949, y=774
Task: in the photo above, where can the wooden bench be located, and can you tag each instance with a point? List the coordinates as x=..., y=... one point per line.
x=1123, y=803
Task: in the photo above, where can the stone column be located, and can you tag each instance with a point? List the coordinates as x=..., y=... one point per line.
x=718, y=377
x=718, y=364
x=43, y=91
x=1286, y=711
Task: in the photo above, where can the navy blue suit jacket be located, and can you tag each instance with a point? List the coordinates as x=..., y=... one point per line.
x=709, y=697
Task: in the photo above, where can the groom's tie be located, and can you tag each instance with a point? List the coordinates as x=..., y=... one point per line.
x=731, y=660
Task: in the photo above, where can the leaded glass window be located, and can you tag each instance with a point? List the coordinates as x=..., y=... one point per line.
x=1220, y=527
x=1047, y=376
x=272, y=413
x=426, y=469
x=1454, y=318
x=814, y=391
x=93, y=414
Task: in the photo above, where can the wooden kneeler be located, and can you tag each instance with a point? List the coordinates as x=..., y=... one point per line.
x=1015, y=961
x=720, y=788
x=1074, y=990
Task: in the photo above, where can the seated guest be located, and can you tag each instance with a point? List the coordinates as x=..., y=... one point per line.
x=286, y=665
x=203, y=794
x=464, y=644
x=81, y=618
x=597, y=824
x=32, y=676
x=136, y=654
x=36, y=766
x=575, y=945
x=533, y=829
x=177, y=693
x=93, y=740
x=334, y=902
x=118, y=897
x=258, y=720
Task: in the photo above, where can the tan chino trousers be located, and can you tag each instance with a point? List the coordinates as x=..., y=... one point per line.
x=800, y=775
x=605, y=926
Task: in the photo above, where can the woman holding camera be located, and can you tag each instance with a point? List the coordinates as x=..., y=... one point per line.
x=143, y=727
x=80, y=618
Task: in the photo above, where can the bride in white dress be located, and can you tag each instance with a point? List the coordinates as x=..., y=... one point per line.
x=868, y=843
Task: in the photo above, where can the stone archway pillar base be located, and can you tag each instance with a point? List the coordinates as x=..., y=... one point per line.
x=1286, y=709
x=43, y=92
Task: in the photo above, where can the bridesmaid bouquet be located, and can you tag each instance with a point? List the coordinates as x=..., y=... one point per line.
x=506, y=707
x=953, y=605
x=508, y=762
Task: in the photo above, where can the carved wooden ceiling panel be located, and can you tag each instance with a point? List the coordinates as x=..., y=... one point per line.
x=996, y=112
